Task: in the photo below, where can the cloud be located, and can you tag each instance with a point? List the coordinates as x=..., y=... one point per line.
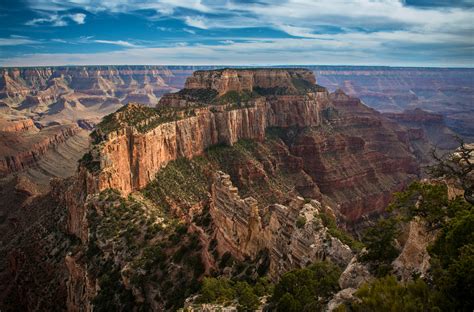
x=189, y=31
x=56, y=20
x=197, y=22
x=59, y=40
x=15, y=40
x=118, y=43
x=349, y=49
x=297, y=31
x=79, y=18
x=356, y=31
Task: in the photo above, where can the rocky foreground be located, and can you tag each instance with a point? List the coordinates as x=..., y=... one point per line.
x=244, y=173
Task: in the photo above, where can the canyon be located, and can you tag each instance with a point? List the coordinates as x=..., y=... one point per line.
x=83, y=95
x=242, y=173
x=309, y=147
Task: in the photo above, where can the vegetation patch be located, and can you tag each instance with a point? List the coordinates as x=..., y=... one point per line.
x=307, y=289
x=143, y=118
x=89, y=163
x=227, y=291
x=339, y=233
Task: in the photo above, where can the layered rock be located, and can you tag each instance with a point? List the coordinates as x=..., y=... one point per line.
x=330, y=143
x=130, y=158
x=293, y=235
x=358, y=159
x=239, y=80
x=23, y=144
x=428, y=128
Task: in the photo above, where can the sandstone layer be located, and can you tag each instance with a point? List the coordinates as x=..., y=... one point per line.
x=22, y=144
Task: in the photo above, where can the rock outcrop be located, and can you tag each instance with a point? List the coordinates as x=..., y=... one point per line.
x=129, y=158
x=334, y=148
x=22, y=144
x=294, y=234
x=226, y=80
x=414, y=259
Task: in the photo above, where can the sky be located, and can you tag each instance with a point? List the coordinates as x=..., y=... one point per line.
x=437, y=33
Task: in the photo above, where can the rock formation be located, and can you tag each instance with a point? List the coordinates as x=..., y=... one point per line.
x=293, y=234
x=22, y=144
x=129, y=158
x=343, y=157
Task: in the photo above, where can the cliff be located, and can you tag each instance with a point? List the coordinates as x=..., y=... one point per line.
x=226, y=80
x=23, y=145
x=131, y=156
x=294, y=234
x=276, y=142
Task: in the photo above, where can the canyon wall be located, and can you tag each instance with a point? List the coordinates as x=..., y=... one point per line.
x=239, y=80
x=293, y=234
x=74, y=93
x=346, y=153
x=129, y=159
x=22, y=144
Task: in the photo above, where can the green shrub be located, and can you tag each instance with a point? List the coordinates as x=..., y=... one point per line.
x=380, y=243
x=218, y=290
x=300, y=222
x=306, y=289
x=386, y=294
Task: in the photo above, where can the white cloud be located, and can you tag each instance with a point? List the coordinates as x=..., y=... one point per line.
x=189, y=31
x=119, y=43
x=196, y=21
x=56, y=20
x=16, y=40
x=344, y=49
x=372, y=30
x=79, y=18
x=58, y=40
x=297, y=31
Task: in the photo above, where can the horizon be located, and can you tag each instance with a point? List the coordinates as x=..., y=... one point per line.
x=403, y=33
x=249, y=66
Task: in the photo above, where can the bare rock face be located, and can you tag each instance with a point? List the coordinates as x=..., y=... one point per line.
x=358, y=150
x=343, y=296
x=81, y=289
x=15, y=126
x=416, y=115
x=130, y=159
x=23, y=144
x=226, y=80
x=293, y=234
x=354, y=275
x=68, y=95
x=414, y=258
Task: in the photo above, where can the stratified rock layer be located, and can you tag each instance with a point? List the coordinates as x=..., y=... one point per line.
x=293, y=234
x=22, y=144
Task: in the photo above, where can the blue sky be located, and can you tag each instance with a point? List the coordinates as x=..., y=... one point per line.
x=245, y=32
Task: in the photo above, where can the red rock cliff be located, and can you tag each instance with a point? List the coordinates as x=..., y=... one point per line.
x=129, y=159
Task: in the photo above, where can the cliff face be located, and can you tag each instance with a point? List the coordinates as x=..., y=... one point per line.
x=294, y=235
x=346, y=146
x=129, y=159
x=359, y=160
x=239, y=80
x=23, y=144
x=67, y=95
